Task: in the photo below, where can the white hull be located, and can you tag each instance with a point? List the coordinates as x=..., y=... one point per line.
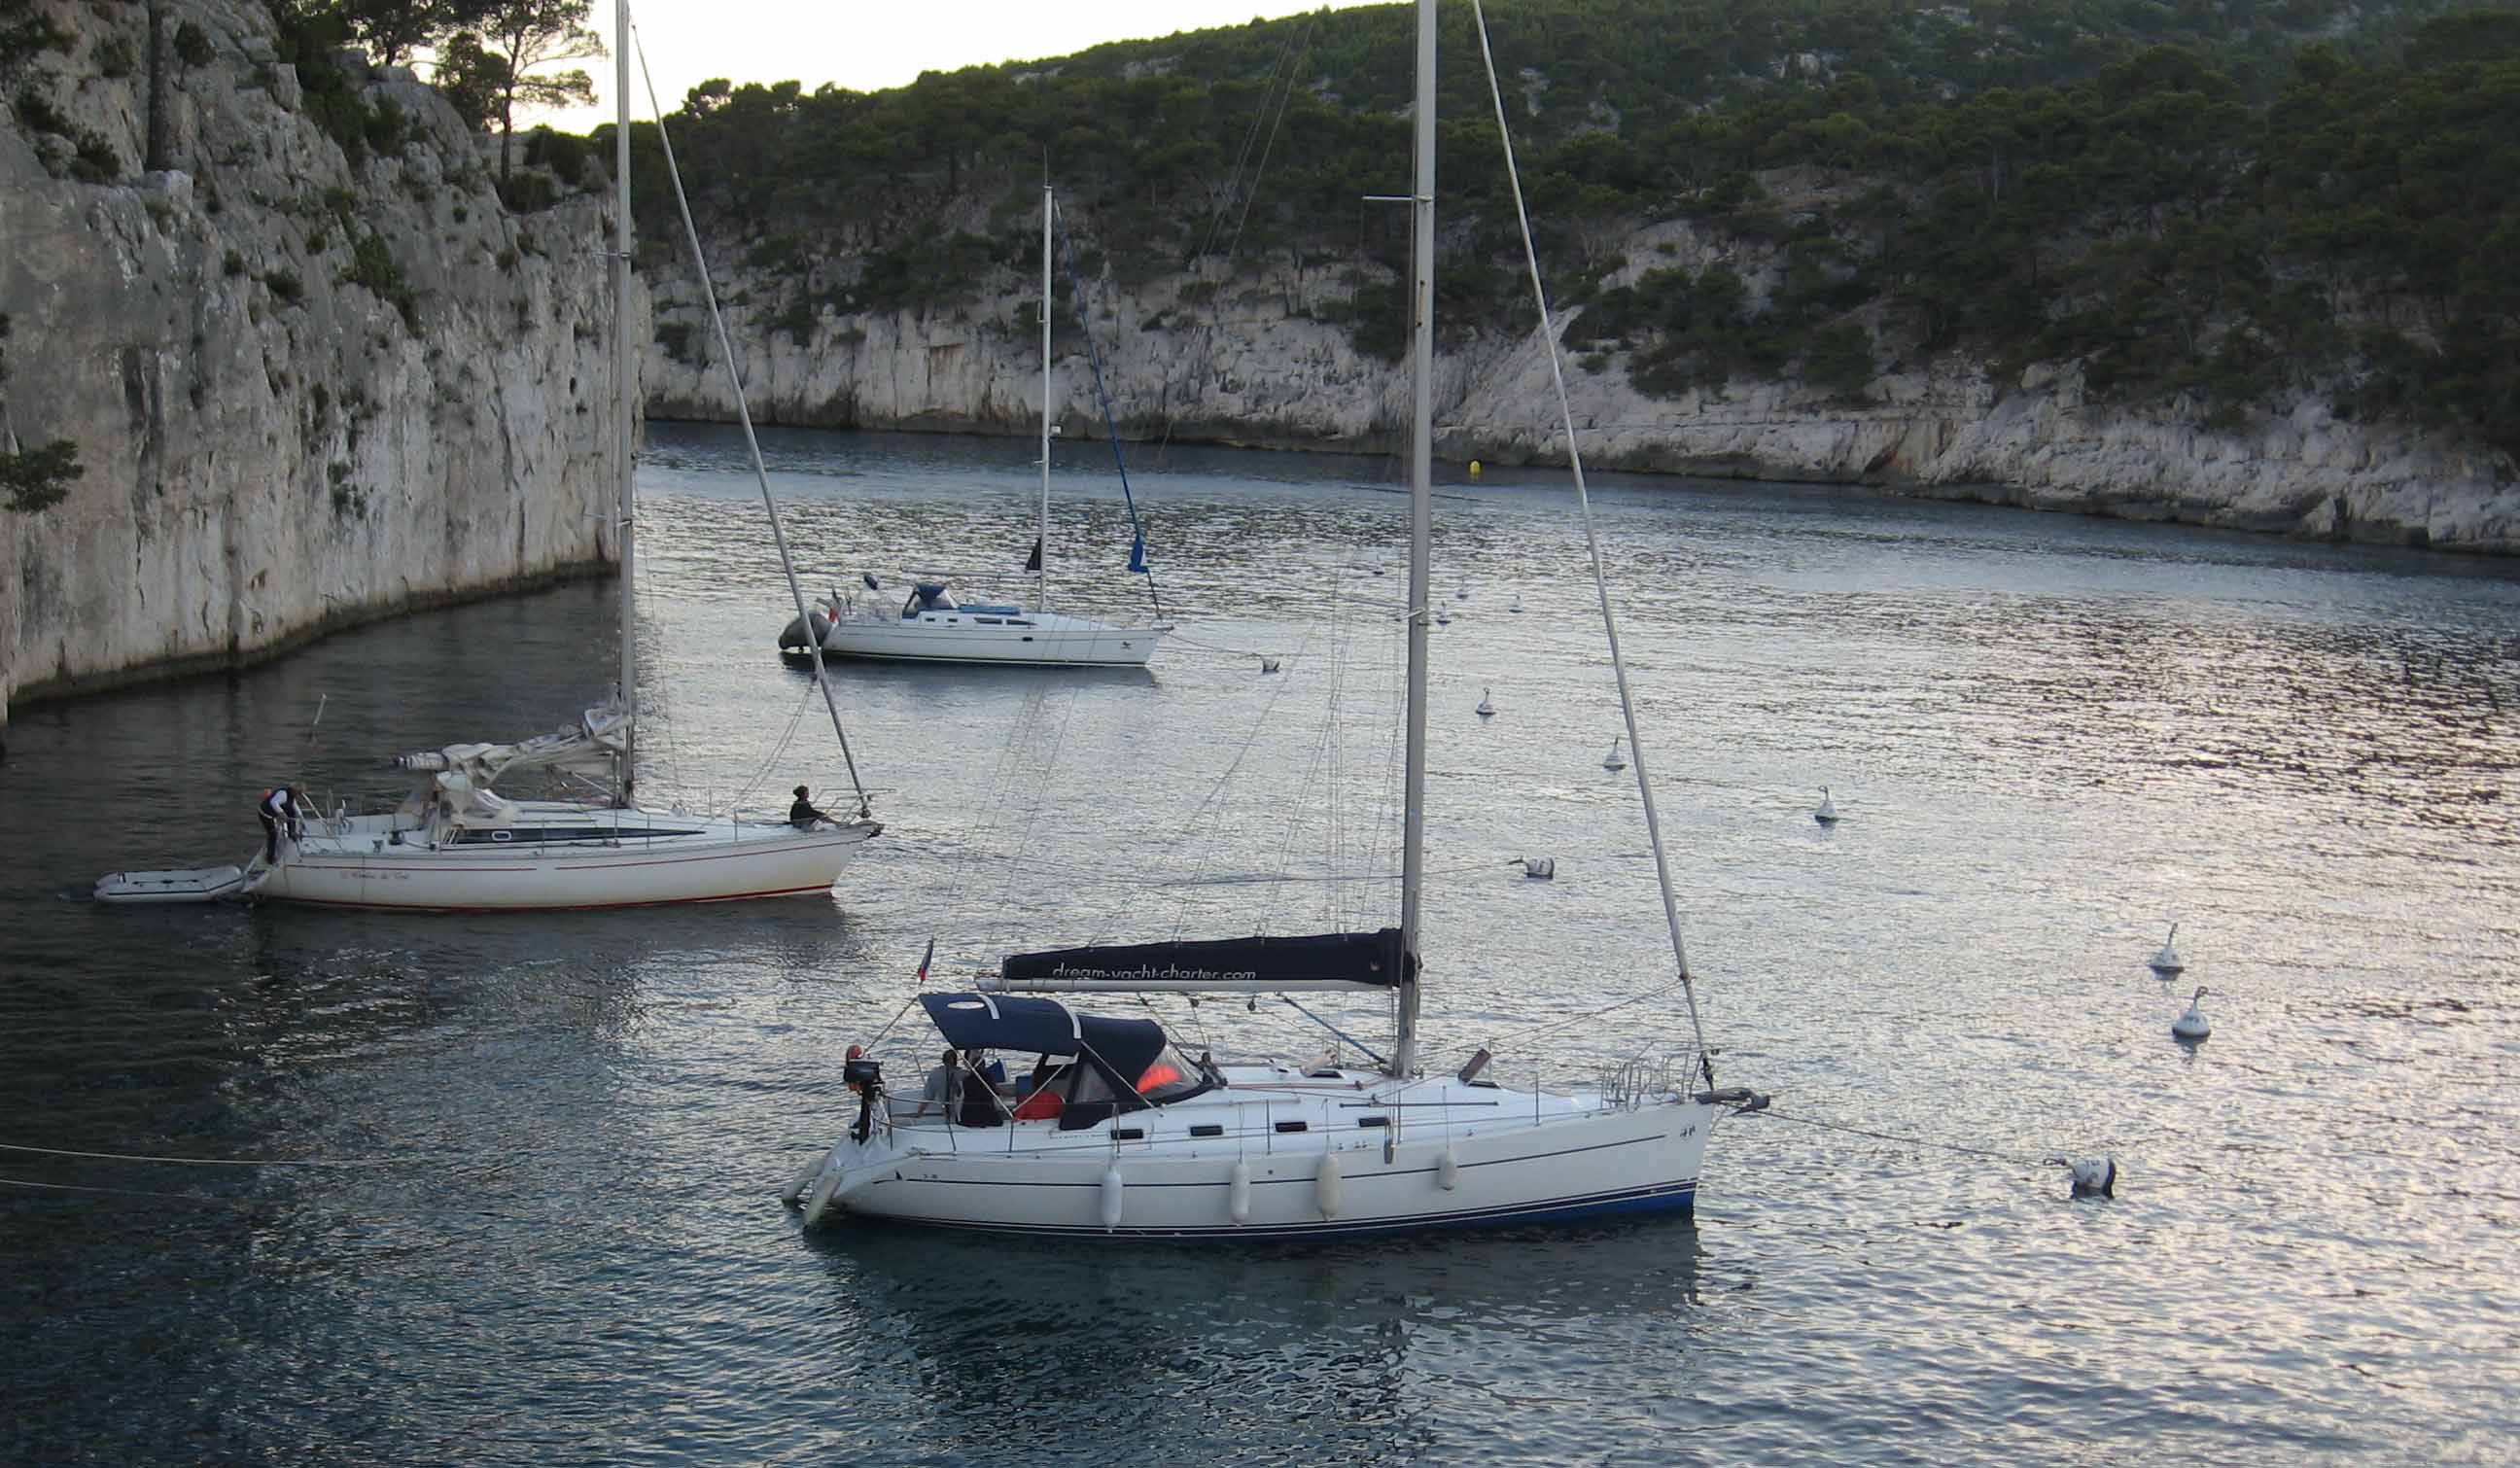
x=1512, y=1163
x=624, y=859
x=1047, y=637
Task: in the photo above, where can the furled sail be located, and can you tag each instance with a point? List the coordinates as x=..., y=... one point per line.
x=589, y=747
x=1261, y=965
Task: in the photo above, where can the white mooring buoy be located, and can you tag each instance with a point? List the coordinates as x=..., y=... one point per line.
x=1538, y=869
x=1827, y=814
x=1486, y=708
x=1517, y=604
x=2191, y=1026
x=1614, y=762
x=2093, y=1178
x=1443, y=619
x=1268, y=665
x=2166, y=963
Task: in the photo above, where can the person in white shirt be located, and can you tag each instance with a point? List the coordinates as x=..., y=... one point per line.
x=280, y=811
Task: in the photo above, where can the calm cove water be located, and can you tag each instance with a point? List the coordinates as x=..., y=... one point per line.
x=2050, y=739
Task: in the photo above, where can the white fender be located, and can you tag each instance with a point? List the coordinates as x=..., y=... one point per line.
x=1325, y=1185
x=1112, y=1187
x=803, y=1179
x=1237, y=1191
x=1448, y=1170
x=819, y=1201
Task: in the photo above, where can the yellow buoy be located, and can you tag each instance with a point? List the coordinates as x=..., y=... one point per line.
x=1474, y=468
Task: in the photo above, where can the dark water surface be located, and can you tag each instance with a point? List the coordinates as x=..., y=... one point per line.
x=2051, y=737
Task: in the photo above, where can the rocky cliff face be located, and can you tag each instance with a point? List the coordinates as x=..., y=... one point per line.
x=1258, y=369
x=306, y=390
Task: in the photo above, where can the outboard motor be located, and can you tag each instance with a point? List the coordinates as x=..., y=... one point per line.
x=866, y=1077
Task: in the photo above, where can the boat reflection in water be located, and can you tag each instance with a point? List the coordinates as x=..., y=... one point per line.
x=1332, y=1352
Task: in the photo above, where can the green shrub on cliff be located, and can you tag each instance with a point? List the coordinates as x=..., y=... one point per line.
x=2223, y=205
x=39, y=479
x=26, y=33
x=307, y=40
x=372, y=265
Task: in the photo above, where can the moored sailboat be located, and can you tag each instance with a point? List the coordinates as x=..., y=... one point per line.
x=931, y=624
x=455, y=843
x=1117, y=1130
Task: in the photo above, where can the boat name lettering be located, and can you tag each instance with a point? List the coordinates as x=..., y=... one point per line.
x=1069, y=971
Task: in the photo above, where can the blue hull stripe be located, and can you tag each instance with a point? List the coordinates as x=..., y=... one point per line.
x=1669, y=1197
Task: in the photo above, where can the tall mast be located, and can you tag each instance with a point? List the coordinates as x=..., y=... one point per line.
x=624, y=371
x=1041, y=584
x=1421, y=454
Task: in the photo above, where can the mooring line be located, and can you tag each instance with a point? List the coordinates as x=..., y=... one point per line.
x=1915, y=1141
x=230, y=1162
x=117, y=1192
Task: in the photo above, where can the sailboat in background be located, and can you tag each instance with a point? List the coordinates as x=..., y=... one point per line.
x=1121, y=1132
x=455, y=843
x=931, y=625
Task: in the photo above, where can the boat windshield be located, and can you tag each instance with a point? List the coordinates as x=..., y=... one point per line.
x=1165, y=1080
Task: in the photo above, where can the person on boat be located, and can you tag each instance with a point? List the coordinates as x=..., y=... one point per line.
x=279, y=811
x=976, y=1104
x=802, y=814
x=944, y=1086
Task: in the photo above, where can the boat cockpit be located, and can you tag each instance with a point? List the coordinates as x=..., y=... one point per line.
x=1087, y=1069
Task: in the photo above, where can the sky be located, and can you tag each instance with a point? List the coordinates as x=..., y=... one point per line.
x=870, y=46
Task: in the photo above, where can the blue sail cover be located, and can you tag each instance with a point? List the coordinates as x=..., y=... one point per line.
x=1045, y=1026
x=1372, y=959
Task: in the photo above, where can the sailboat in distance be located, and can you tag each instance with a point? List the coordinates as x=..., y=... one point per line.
x=927, y=623
x=1119, y=1132
x=456, y=843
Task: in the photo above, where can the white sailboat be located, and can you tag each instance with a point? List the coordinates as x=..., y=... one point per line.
x=930, y=624
x=455, y=843
x=1118, y=1133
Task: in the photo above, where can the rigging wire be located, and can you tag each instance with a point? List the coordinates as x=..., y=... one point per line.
x=1282, y=85
x=1102, y=397
x=1593, y=542
x=777, y=751
x=752, y=443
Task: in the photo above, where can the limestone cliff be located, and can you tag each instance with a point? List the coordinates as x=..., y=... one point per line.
x=307, y=390
x=1258, y=366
